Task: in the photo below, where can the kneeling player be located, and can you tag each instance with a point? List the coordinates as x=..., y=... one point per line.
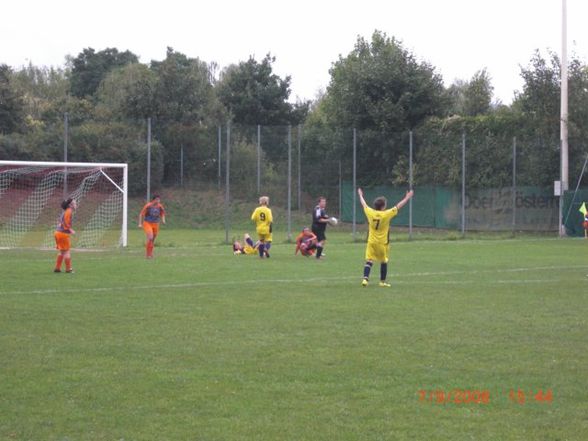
x=306, y=242
x=249, y=247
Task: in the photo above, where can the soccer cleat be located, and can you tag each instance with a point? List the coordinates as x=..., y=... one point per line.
x=56, y=270
x=384, y=284
x=364, y=282
x=70, y=271
x=266, y=254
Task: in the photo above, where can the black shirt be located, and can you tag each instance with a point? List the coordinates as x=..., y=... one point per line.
x=319, y=213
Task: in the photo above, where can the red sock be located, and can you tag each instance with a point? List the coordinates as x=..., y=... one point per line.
x=68, y=264
x=150, y=248
x=58, y=262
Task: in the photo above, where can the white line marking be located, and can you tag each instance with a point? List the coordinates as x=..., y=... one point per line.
x=394, y=281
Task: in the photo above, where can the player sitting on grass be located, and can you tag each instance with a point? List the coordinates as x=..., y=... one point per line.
x=378, y=236
x=305, y=242
x=249, y=247
x=262, y=216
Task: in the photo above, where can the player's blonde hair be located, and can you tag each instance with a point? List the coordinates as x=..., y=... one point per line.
x=264, y=200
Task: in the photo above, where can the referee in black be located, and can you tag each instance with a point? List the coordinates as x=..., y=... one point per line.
x=319, y=225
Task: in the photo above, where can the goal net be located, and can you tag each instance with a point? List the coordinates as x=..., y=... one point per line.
x=30, y=199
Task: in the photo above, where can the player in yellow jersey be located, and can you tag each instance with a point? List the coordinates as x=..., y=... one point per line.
x=262, y=216
x=379, y=227
x=247, y=247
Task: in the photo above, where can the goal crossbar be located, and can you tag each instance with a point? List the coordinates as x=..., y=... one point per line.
x=69, y=168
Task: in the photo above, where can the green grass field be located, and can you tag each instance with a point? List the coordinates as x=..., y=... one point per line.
x=199, y=344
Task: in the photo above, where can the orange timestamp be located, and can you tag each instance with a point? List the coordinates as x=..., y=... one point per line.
x=466, y=396
x=539, y=396
x=455, y=396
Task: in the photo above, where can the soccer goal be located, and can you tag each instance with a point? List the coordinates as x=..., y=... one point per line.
x=31, y=194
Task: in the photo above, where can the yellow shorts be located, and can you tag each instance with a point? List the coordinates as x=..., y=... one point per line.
x=265, y=237
x=376, y=251
x=62, y=241
x=151, y=228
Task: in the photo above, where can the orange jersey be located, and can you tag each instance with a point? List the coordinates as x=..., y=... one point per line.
x=152, y=212
x=303, y=237
x=65, y=221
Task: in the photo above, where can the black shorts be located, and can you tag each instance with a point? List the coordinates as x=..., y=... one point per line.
x=320, y=233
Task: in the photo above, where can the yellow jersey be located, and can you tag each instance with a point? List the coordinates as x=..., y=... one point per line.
x=262, y=216
x=379, y=224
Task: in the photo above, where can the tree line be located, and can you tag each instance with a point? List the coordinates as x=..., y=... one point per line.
x=380, y=88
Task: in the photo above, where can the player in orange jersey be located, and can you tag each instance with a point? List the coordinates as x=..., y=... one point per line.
x=306, y=242
x=149, y=218
x=62, y=235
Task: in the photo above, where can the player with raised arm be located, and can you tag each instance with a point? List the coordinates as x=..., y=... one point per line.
x=262, y=216
x=62, y=235
x=149, y=218
x=378, y=234
x=248, y=247
x=305, y=242
x=320, y=219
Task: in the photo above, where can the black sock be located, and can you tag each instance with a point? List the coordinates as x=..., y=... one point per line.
x=319, y=251
x=383, y=271
x=366, y=270
x=261, y=249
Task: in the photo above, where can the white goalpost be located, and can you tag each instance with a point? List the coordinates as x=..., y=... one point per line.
x=31, y=194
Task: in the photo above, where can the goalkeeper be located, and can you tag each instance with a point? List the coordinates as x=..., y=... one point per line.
x=320, y=219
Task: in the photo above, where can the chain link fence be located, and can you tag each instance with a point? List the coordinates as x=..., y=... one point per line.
x=465, y=179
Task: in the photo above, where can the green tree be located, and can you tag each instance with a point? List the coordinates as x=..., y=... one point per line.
x=11, y=103
x=41, y=88
x=128, y=91
x=183, y=90
x=381, y=85
x=539, y=102
x=471, y=98
x=253, y=94
x=89, y=68
x=478, y=94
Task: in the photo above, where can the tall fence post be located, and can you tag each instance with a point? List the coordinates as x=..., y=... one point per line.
x=219, y=136
x=354, y=182
x=463, y=172
x=410, y=183
x=258, y=159
x=148, y=159
x=514, y=185
x=289, y=183
x=65, y=147
x=299, y=198
x=227, y=182
x=182, y=165
x=340, y=192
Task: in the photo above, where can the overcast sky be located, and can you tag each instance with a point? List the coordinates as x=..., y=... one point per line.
x=458, y=37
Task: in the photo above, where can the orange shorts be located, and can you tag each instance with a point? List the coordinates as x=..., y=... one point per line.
x=62, y=241
x=151, y=228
